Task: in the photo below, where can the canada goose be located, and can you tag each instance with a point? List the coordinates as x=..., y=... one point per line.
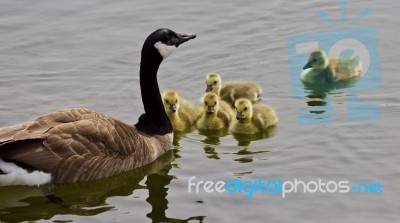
x=79, y=144
x=181, y=112
x=252, y=119
x=232, y=90
x=321, y=69
x=216, y=114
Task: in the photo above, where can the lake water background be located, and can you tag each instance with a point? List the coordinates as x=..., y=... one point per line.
x=56, y=54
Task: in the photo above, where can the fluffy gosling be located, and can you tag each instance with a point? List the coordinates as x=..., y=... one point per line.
x=181, y=112
x=252, y=119
x=321, y=69
x=216, y=114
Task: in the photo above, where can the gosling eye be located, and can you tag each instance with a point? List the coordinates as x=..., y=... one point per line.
x=167, y=101
x=215, y=82
x=206, y=103
x=314, y=60
x=176, y=101
x=245, y=108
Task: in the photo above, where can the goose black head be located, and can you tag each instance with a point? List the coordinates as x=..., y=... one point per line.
x=165, y=41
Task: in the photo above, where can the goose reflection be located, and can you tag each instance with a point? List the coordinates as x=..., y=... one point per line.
x=25, y=203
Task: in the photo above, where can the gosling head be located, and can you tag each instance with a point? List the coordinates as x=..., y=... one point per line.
x=210, y=103
x=317, y=60
x=171, y=101
x=213, y=83
x=164, y=42
x=244, y=109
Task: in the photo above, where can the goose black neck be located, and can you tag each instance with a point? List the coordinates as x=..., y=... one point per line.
x=155, y=120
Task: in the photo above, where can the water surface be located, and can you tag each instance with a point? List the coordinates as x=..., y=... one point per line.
x=57, y=54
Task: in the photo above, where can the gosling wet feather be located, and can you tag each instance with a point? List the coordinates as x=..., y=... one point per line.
x=79, y=144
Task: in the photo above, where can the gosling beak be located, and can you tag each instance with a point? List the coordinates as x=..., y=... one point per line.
x=185, y=37
x=308, y=65
x=172, y=107
x=209, y=88
x=211, y=109
x=239, y=115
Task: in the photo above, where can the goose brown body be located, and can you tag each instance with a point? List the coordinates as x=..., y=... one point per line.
x=80, y=144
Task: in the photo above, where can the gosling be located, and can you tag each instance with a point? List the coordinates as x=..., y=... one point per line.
x=252, y=119
x=321, y=69
x=233, y=90
x=181, y=112
x=216, y=114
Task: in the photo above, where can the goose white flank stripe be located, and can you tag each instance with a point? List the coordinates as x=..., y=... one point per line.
x=16, y=175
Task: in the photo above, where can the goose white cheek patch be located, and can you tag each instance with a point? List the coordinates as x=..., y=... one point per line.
x=164, y=49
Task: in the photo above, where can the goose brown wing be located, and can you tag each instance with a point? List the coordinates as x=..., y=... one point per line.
x=70, y=143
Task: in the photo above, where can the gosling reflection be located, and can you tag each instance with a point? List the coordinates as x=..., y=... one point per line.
x=211, y=153
x=319, y=100
x=246, y=155
x=246, y=139
x=213, y=136
x=212, y=139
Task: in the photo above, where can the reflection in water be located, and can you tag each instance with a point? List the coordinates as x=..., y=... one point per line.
x=213, y=139
x=157, y=185
x=211, y=153
x=212, y=136
x=246, y=154
x=239, y=174
x=178, y=136
x=245, y=139
x=25, y=203
x=320, y=100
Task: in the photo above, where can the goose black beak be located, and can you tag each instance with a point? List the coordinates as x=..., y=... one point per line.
x=209, y=88
x=185, y=37
x=211, y=109
x=239, y=115
x=308, y=65
x=172, y=107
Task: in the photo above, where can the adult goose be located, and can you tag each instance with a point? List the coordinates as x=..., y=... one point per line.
x=79, y=144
